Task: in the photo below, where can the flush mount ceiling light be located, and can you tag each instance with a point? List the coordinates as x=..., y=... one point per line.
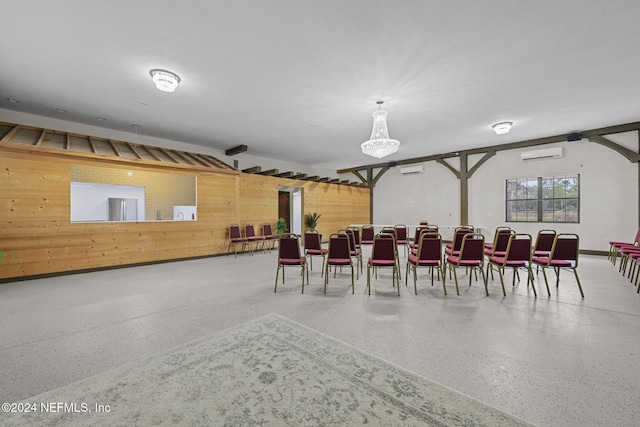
x=502, y=128
x=165, y=80
x=380, y=145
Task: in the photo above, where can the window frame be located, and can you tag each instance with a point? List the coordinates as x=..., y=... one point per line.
x=534, y=203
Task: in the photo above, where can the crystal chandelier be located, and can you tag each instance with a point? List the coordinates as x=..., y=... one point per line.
x=380, y=145
x=165, y=80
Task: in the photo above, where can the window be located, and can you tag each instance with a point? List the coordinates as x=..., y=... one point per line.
x=543, y=199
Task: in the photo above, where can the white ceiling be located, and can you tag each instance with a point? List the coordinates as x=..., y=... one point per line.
x=298, y=79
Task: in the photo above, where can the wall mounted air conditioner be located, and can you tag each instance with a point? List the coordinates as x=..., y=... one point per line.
x=545, y=153
x=412, y=170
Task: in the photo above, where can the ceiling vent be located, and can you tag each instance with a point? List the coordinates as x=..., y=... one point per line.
x=546, y=153
x=412, y=170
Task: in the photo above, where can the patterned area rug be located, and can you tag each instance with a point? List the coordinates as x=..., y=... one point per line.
x=267, y=372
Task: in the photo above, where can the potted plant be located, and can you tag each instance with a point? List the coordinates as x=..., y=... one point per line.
x=281, y=227
x=312, y=220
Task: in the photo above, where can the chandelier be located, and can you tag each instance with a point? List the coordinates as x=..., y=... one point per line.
x=380, y=145
x=165, y=80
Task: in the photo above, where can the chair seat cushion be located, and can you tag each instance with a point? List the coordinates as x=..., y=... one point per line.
x=317, y=251
x=382, y=262
x=513, y=263
x=463, y=262
x=339, y=261
x=292, y=261
x=425, y=262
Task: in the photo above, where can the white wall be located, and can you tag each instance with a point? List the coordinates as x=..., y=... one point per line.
x=608, y=192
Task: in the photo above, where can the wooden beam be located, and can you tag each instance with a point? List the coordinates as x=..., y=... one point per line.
x=67, y=142
x=313, y=178
x=43, y=134
x=254, y=169
x=92, y=145
x=480, y=162
x=287, y=174
x=114, y=148
x=151, y=153
x=269, y=172
x=197, y=159
x=133, y=150
x=378, y=176
x=166, y=153
x=334, y=181
x=324, y=179
x=448, y=166
x=236, y=150
x=362, y=178
x=183, y=157
x=632, y=156
x=11, y=133
x=299, y=176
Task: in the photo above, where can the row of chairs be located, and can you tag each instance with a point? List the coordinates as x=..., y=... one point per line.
x=629, y=254
x=248, y=240
x=468, y=249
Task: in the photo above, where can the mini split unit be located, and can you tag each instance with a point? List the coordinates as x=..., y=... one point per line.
x=545, y=153
x=412, y=170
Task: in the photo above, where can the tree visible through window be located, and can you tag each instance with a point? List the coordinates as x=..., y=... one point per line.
x=543, y=199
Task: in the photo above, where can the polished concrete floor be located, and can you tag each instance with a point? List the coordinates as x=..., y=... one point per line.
x=553, y=361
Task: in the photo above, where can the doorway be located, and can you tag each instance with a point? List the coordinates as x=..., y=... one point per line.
x=284, y=207
x=290, y=208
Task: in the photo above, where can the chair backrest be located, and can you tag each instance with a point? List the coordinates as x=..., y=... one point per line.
x=544, y=241
x=289, y=247
x=234, y=231
x=565, y=247
x=356, y=234
x=266, y=230
x=312, y=240
x=432, y=228
x=424, y=222
x=472, y=248
x=430, y=247
x=367, y=233
x=519, y=247
x=339, y=246
x=458, y=236
x=384, y=247
x=352, y=239
x=501, y=239
x=401, y=232
x=249, y=231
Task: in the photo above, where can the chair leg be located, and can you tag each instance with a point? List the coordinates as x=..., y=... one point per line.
x=578, y=280
x=530, y=278
x=276, y=286
x=504, y=292
x=369, y=278
x=455, y=275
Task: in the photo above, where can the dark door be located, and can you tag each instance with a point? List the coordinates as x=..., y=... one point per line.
x=284, y=207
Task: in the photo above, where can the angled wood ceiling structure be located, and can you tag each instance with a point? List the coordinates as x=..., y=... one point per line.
x=48, y=139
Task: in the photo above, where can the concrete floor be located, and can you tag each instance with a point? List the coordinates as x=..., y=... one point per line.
x=553, y=361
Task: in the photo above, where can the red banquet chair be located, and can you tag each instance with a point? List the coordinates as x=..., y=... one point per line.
x=267, y=234
x=471, y=255
x=428, y=254
x=289, y=255
x=313, y=247
x=517, y=255
x=235, y=239
x=383, y=254
x=614, y=246
x=563, y=255
x=367, y=235
x=338, y=255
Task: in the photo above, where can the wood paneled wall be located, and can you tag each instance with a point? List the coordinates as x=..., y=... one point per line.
x=38, y=237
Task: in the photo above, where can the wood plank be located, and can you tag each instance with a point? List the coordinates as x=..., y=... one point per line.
x=166, y=153
x=183, y=157
x=133, y=150
x=114, y=148
x=151, y=153
x=11, y=133
x=197, y=159
x=40, y=140
x=92, y=145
